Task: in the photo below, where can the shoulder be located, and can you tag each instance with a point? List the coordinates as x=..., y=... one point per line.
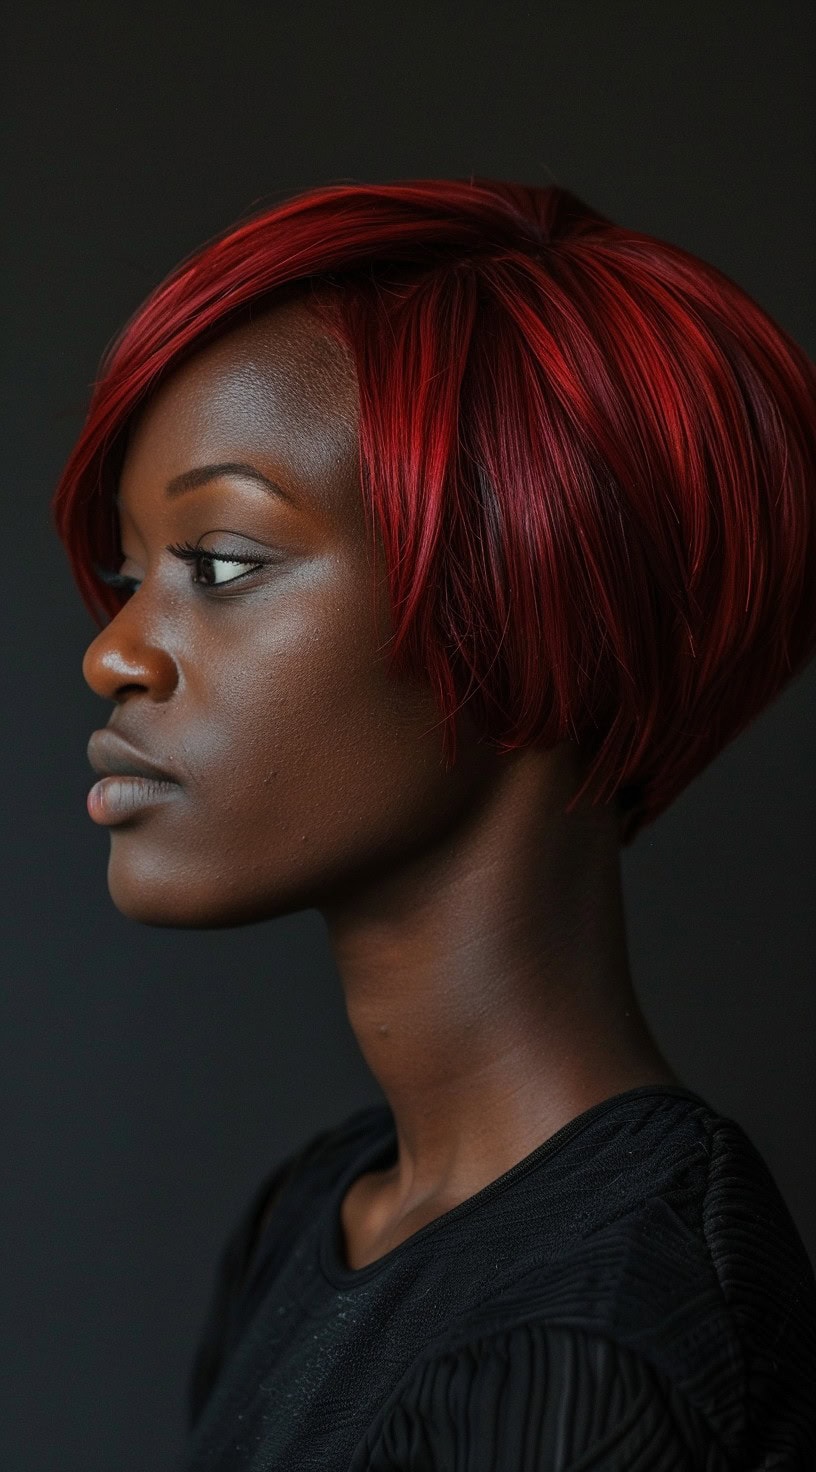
x=687, y=1315
x=539, y=1395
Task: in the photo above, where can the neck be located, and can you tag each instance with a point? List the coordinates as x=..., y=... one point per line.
x=487, y=982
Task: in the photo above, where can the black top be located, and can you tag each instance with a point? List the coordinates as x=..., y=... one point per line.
x=632, y=1296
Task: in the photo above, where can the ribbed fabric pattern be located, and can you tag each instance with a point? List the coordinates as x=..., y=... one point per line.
x=773, y=1311
x=633, y=1296
x=543, y=1399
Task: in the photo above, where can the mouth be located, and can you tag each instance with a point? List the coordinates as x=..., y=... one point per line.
x=111, y=756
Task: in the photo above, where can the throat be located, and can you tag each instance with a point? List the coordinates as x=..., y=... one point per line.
x=369, y=1229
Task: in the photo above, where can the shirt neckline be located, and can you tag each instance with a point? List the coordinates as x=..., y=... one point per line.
x=381, y=1150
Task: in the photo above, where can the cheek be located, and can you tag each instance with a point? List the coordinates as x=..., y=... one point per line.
x=315, y=752
x=308, y=769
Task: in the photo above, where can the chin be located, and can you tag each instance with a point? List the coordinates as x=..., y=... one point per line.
x=154, y=892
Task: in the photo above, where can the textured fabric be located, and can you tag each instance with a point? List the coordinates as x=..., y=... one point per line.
x=632, y=1296
x=543, y=1397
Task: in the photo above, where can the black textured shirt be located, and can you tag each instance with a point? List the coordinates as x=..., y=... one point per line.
x=632, y=1296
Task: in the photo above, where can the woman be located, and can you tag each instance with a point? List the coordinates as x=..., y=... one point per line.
x=440, y=533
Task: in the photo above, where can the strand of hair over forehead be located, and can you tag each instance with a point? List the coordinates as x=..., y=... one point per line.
x=589, y=456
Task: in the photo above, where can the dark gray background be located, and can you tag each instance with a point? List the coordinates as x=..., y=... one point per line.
x=151, y=1077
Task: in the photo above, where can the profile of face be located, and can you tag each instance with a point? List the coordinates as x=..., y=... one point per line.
x=306, y=771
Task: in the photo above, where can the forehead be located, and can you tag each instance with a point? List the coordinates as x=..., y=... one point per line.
x=276, y=391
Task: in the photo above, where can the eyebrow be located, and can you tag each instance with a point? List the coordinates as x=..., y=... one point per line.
x=190, y=480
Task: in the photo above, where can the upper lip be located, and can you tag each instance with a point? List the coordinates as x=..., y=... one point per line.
x=110, y=755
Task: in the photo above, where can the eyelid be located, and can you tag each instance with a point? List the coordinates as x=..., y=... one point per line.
x=187, y=552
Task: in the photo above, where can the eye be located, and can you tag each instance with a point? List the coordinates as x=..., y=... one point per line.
x=199, y=557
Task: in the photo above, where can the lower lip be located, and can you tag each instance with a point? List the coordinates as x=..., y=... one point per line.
x=114, y=799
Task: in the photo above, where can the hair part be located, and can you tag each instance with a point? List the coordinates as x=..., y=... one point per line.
x=588, y=455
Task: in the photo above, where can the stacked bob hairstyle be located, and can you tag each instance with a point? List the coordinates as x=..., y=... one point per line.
x=589, y=456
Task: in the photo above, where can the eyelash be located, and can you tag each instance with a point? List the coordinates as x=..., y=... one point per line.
x=188, y=553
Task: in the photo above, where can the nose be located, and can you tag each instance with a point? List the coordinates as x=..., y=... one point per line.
x=118, y=660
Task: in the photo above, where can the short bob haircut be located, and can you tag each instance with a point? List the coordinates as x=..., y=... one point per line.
x=589, y=457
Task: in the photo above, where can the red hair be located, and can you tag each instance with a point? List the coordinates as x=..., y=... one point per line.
x=588, y=454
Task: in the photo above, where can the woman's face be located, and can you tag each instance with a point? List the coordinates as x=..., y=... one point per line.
x=304, y=770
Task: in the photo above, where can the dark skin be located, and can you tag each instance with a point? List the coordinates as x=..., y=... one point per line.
x=478, y=931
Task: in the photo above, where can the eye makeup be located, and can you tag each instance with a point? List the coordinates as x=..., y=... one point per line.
x=195, y=555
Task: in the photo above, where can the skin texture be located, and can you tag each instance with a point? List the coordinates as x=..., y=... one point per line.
x=479, y=932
